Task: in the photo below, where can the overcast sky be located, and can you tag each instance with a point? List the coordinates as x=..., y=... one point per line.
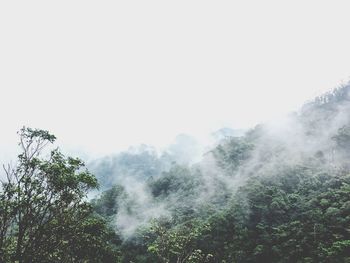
x=103, y=75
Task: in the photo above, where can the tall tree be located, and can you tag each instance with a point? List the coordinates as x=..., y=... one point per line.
x=44, y=215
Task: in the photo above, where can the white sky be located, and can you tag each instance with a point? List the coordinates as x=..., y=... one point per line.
x=103, y=75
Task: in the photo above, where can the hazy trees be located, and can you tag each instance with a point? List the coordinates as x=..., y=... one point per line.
x=292, y=212
x=261, y=199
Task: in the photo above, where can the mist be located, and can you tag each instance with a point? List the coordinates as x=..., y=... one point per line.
x=210, y=131
x=304, y=138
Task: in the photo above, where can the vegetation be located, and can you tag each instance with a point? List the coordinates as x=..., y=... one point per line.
x=44, y=216
x=273, y=195
x=276, y=194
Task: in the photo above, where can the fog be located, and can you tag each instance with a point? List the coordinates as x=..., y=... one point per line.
x=210, y=131
x=107, y=77
x=306, y=138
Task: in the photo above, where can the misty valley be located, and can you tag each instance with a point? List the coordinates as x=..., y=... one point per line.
x=278, y=192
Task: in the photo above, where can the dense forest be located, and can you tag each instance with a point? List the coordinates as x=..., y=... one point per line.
x=278, y=193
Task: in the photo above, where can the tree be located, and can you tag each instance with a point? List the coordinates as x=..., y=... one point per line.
x=44, y=215
x=178, y=245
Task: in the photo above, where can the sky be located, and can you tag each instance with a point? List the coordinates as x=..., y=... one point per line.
x=104, y=75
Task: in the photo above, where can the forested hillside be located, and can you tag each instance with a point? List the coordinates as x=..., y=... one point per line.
x=278, y=193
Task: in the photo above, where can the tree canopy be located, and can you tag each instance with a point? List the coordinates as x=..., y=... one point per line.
x=44, y=214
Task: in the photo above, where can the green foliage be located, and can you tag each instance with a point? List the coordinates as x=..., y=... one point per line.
x=180, y=186
x=107, y=204
x=271, y=225
x=233, y=153
x=295, y=214
x=274, y=195
x=43, y=213
x=178, y=244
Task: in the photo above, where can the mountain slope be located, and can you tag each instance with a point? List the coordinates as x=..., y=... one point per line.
x=280, y=193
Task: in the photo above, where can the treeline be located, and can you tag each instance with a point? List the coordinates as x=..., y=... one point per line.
x=274, y=195
x=299, y=215
x=280, y=193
